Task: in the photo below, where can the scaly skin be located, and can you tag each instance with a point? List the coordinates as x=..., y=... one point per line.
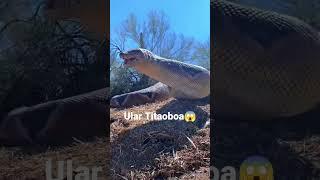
x=185, y=80
x=265, y=65
x=56, y=122
x=157, y=92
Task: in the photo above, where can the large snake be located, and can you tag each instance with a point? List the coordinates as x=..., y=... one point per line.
x=177, y=79
x=266, y=65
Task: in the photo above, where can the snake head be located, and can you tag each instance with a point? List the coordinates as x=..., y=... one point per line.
x=135, y=56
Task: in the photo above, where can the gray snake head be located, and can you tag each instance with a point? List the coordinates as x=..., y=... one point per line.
x=136, y=56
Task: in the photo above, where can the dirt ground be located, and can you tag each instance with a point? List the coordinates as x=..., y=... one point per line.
x=144, y=149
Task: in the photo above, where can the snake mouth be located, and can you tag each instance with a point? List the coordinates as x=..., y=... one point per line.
x=127, y=58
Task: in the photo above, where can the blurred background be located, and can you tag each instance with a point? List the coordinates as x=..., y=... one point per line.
x=42, y=59
x=308, y=11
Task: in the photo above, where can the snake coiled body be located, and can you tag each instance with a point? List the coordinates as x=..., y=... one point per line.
x=57, y=122
x=265, y=64
x=176, y=79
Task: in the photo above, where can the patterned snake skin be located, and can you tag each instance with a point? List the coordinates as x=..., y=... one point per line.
x=266, y=65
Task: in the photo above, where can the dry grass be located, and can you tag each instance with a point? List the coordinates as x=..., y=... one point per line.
x=141, y=149
x=148, y=149
x=15, y=164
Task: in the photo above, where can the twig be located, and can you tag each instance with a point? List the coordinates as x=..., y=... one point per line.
x=84, y=55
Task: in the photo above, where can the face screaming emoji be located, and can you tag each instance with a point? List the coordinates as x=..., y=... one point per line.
x=256, y=168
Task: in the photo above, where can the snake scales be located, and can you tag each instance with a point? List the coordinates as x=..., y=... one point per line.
x=265, y=65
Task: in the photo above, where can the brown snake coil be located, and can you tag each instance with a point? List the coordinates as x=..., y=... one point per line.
x=266, y=65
